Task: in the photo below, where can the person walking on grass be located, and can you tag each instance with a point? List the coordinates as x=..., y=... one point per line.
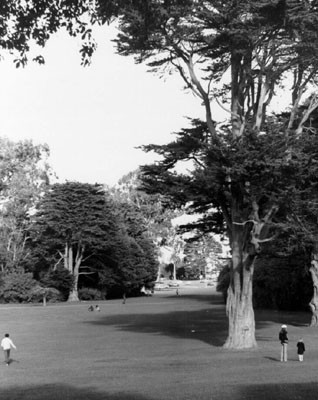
x=300, y=349
x=7, y=344
x=284, y=342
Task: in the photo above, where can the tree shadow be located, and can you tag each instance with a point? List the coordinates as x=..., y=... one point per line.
x=55, y=391
x=207, y=325
x=279, y=391
x=214, y=298
x=294, y=318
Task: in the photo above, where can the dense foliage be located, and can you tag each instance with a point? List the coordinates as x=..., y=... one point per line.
x=17, y=287
x=102, y=244
x=29, y=24
x=280, y=283
x=59, y=279
x=24, y=175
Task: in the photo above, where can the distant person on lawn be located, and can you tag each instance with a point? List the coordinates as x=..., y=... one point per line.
x=6, y=344
x=284, y=342
x=301, y=349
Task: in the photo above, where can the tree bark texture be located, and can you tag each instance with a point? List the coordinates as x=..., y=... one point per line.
x=246, y=237
x=314, y=300
x=73, y=266
x=239, y=306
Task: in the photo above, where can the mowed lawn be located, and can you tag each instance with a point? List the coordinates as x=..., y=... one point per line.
x=159, y=347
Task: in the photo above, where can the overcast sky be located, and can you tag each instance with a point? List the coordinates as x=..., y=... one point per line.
x=92, y=118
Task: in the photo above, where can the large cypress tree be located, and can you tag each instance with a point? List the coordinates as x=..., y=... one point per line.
x=237, y=54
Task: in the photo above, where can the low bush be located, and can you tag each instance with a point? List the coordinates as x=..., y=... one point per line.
x=16, y=287
x=38, y=293
x=87, y=293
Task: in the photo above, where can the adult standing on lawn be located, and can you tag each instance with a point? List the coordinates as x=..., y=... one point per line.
x=284, y=342
x=6, y=344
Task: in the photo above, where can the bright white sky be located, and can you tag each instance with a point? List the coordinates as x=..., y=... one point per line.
x=92, y=118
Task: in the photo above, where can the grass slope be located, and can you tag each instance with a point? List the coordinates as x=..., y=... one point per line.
x=152, y=348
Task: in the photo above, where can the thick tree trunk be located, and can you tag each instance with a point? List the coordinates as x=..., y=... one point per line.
x=246, y=237
x=73, y=296
x=314, y=301
x=241, y=333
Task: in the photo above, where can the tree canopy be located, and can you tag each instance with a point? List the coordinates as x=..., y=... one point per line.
x=74, y=221
x=82, y=228
x=29, y=24
x=233, y=52
x=24, y=176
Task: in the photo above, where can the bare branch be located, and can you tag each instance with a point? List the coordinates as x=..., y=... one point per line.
x=204, y=95
x=245, y=222
x=226, y=109
x=267, y=240
x=86, y=273
x=312, y=107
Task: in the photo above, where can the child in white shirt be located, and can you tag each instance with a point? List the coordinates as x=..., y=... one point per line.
x=6, y=344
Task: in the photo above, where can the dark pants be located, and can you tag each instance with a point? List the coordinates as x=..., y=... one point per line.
x=7, y=356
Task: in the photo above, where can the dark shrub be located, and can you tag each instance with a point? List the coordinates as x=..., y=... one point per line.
x=60, y=279
x=279, y=283
x=87, y=293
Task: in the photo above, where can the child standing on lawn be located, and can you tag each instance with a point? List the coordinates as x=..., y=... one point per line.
x=300, y=349
x=6, y=344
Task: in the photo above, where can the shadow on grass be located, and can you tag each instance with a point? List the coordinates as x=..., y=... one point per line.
x=69, y=392
x=215, y=298
x=293, y=318
x=283, y=391
x=208, y=325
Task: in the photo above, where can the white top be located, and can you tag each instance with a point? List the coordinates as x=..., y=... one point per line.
x=6, y=343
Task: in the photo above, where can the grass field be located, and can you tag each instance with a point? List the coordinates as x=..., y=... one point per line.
x=152, y=348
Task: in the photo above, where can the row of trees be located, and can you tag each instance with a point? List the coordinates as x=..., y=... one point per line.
x=67, y=235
